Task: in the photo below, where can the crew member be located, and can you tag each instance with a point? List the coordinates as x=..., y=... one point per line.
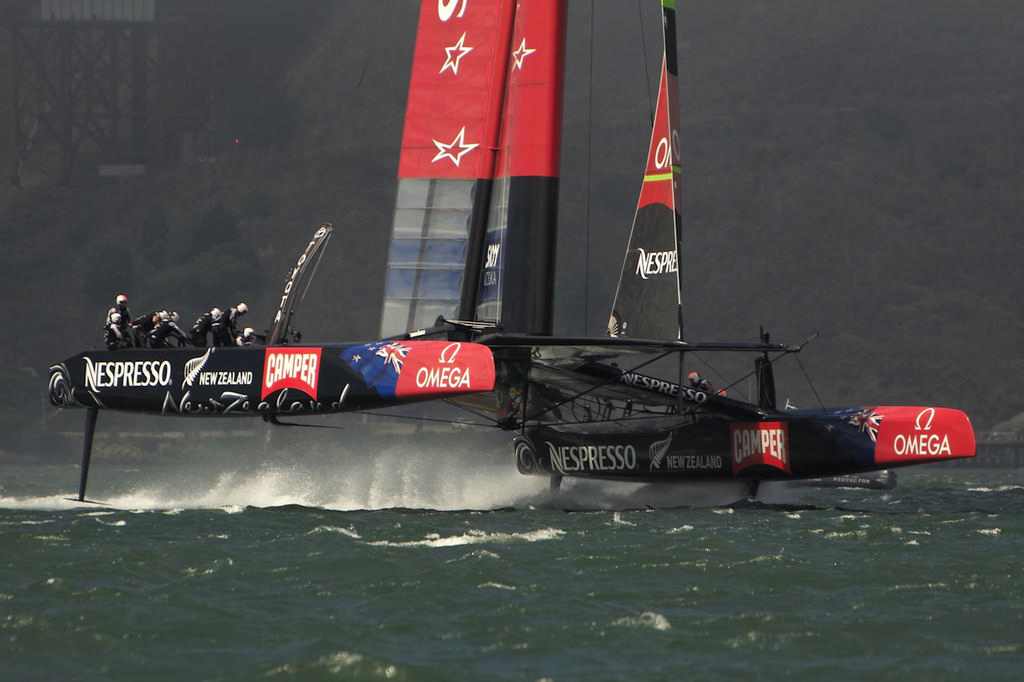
x=700, y=383
x=121, y=310
x=203, y=325
x=142, y=326
x=113, y=336
x=218, y=334
x=225, y=332
x=247, y=337
x=166, y=326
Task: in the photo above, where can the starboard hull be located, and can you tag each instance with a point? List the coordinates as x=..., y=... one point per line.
x=794, y=445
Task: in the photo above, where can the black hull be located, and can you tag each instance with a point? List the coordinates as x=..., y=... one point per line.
x=268, y=381
x=708, y=447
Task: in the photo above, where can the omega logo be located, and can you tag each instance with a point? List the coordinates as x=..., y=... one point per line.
x=447, y=356
x=927, y=425
x=923, y=443
x=445, y=10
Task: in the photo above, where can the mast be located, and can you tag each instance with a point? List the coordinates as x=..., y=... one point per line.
x=517, y=280
x=648, y=301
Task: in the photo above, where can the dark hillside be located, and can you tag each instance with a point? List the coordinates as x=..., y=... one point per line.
x=853, y=167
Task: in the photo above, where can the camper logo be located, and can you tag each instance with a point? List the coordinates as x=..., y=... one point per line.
x=760, y=443
x=455, y=54
x=446, y=8
x=296, y=368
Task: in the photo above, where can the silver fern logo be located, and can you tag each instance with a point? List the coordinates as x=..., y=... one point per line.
x=194, y=366
x=657, y=451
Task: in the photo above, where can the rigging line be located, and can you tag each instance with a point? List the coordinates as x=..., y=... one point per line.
x=570, y=399
x=373, y=44
x=748, y=375
x=653, y=416
x=811, y=384
x=647, y=66
x=488, y=421
x=717, y=373
x=586, y=178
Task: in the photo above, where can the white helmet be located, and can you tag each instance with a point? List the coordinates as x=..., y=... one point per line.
x=175, y=317
x=163, y=315
x=122, y=300
x=216, y=312
x=248, y=332
x=242, y=308
x=116, y=318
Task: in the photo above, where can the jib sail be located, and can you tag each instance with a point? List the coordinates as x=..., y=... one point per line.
x=648, y=299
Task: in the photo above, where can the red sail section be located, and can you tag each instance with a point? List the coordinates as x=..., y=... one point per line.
x=457, y=88
x=531, y=140
x=661, y=178
x=522, y=219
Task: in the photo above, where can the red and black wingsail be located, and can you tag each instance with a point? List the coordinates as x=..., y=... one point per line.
x=449, y=146
x=648, y=300
x=517, y=279
x=484, y=103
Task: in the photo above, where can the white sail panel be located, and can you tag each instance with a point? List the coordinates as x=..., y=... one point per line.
x=428, y=252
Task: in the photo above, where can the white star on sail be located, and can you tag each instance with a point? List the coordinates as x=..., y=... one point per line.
x=454, y=54
x=521, y=52
x=445, y=150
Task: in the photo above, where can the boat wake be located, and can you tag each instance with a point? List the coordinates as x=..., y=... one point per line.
x=470, y=479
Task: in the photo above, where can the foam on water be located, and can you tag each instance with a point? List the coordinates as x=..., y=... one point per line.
x=469, y=478
x=476, y=538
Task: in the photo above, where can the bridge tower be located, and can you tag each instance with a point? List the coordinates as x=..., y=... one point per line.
x=94, y=76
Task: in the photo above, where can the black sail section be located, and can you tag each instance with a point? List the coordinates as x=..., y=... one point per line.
x=647, y=301
x=530, y=206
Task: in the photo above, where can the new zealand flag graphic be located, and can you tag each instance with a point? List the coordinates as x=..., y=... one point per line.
x=380, y=364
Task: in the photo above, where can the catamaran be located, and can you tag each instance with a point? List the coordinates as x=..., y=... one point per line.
x=468, y=302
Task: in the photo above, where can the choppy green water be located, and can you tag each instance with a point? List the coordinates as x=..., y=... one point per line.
x=921, y=583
